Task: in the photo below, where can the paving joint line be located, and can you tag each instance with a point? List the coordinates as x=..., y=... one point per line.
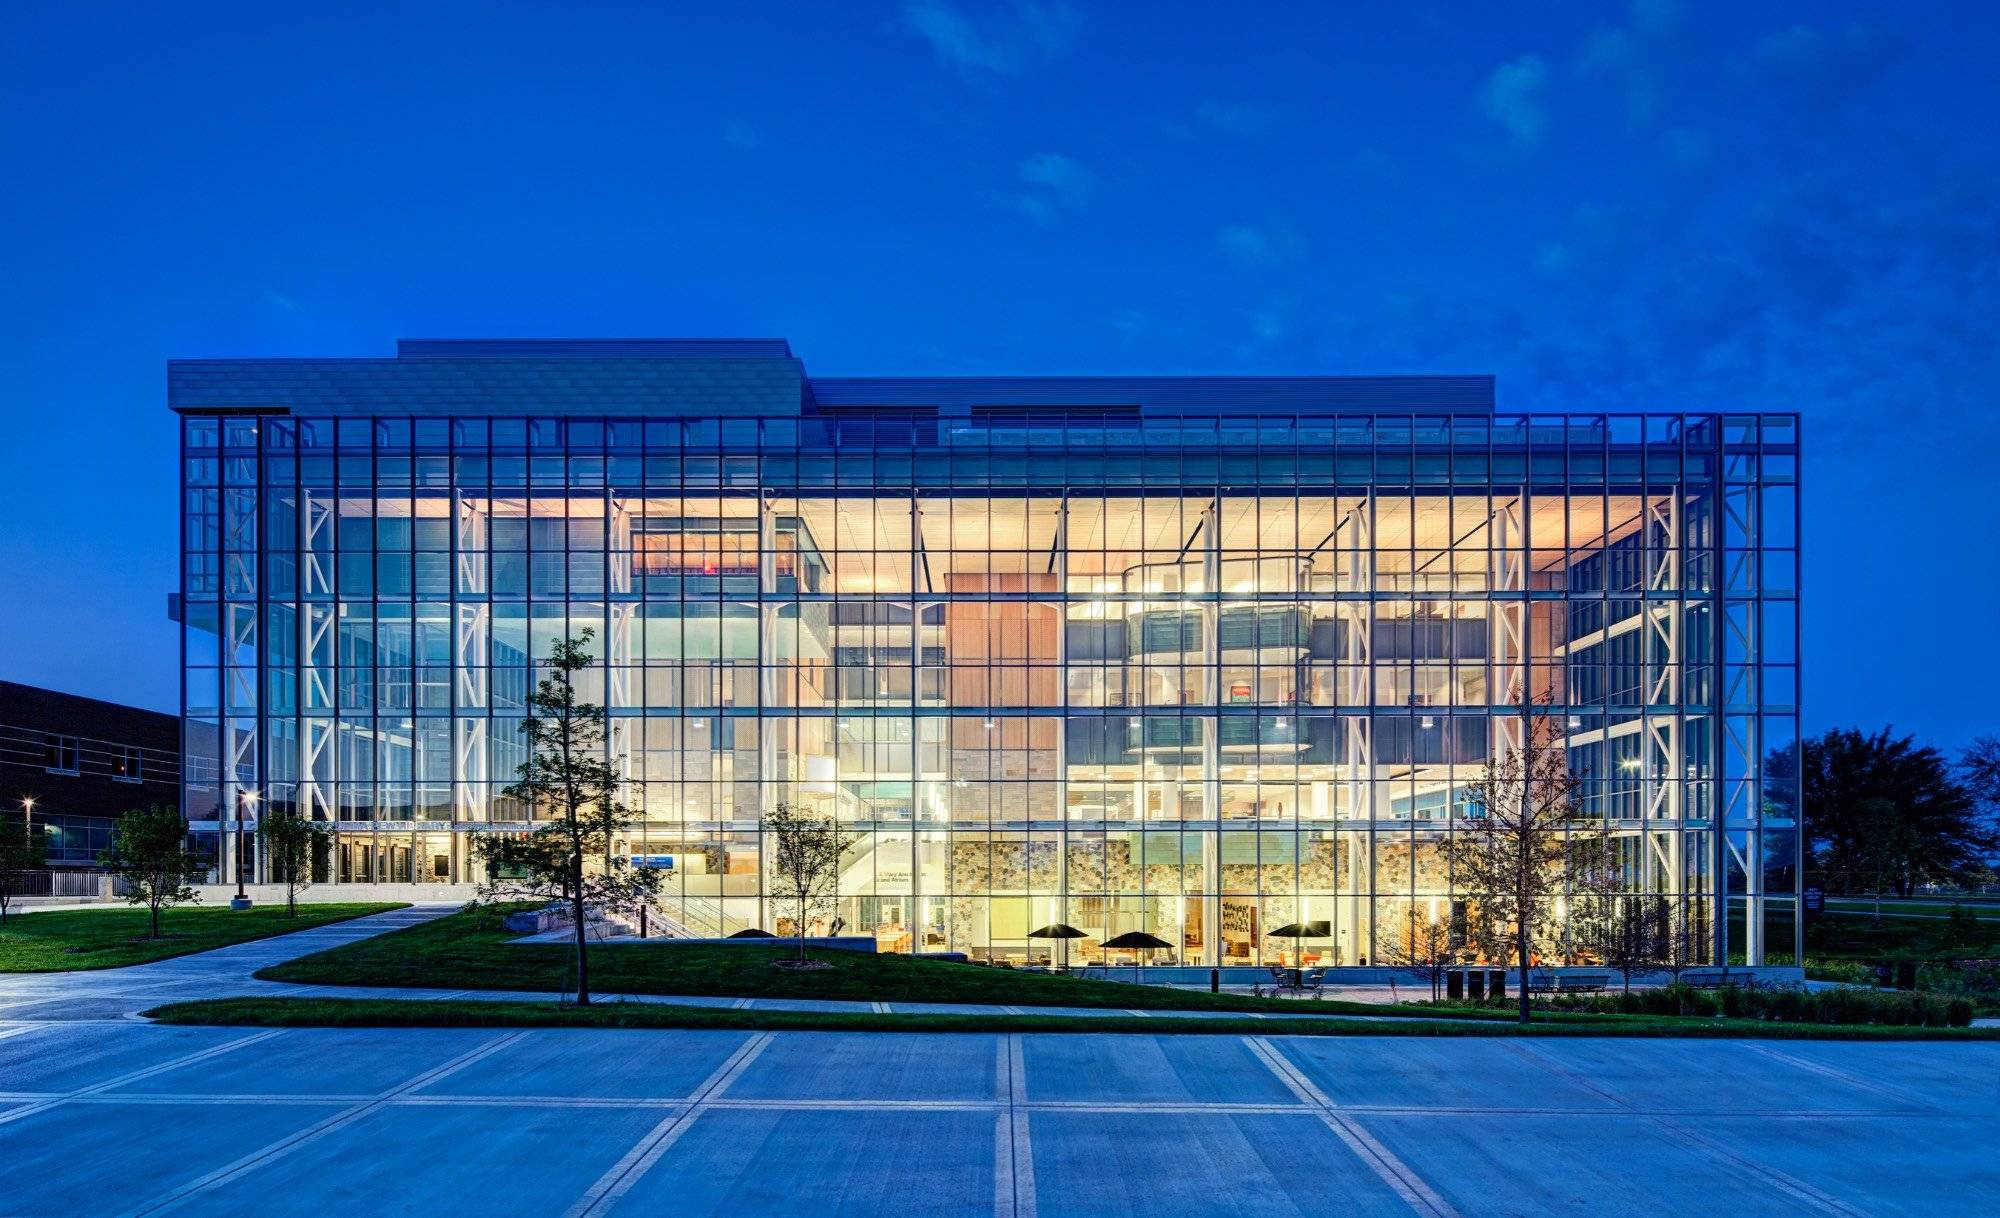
x=654, y=1144
x=1886, y=1090
x=186, y=1059
x=286, y=1145
x=1014, y=1151
x=1758, y=1172
x=1219, y=1107
x=1401, y=1178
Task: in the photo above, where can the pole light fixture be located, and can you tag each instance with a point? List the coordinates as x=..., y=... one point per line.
x=249, y=801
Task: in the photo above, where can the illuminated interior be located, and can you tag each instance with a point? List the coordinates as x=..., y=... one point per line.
x=1195, y=712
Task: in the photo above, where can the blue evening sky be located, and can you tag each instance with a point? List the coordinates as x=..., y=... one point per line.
x=1656, y=205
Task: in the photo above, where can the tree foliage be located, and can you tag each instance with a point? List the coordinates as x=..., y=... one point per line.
x=290, y=842
x=1515, y=852
x=1979, y=770
x=23, y=848
x=1883, y=811
x=570, y=785
x=803, y=864
x=149, y=851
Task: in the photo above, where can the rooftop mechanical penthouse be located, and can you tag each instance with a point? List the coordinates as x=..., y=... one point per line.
x=1198, y=656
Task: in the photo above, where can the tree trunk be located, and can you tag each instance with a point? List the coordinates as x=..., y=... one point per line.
x=1521, y=950
x=582, y=937
x=153, y=907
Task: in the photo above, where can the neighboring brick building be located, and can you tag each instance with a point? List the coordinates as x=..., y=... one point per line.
x=82, y=763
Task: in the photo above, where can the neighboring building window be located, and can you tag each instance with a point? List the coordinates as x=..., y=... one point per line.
x=131, y=764
x=61, y=754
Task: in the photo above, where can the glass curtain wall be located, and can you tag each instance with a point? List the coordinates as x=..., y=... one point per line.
x=1200, y=677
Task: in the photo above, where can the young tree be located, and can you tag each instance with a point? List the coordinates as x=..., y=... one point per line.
x=1425, y=948
x=1513, y=852
x=804, y=864
x=1632, y=934
x=568, y=782
x=1689, y=935
x=290, y=842
x=149, y=851
x=23, y=848
x=1885, y=845
x=1961, y=927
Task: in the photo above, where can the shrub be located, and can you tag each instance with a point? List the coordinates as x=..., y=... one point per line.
x=1782, y=1005
x=1978, y=980
x=1851, y=971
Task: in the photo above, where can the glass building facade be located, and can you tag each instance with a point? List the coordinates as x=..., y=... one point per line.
x=1193, y=656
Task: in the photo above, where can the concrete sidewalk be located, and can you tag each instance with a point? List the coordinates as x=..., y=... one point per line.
x=222, y=973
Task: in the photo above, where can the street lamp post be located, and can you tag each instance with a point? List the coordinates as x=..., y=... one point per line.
x=242, y=899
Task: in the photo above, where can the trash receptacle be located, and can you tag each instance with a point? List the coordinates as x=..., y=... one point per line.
x=1215, y=981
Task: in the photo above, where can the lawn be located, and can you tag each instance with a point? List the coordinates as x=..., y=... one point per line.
x=471, y=951
x=1853, y=934
x=390, y=1013
x=61, y=940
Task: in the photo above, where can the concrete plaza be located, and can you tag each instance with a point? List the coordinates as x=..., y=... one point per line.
x=110, y=1117
x=103, y=1113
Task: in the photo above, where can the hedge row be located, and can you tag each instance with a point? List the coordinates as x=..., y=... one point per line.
x=1838, y=1006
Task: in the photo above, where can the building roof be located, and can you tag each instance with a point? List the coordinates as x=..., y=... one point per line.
x=705, y=377
x=31, y=705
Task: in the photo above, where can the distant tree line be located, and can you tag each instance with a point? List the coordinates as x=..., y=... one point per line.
x=1885, y=814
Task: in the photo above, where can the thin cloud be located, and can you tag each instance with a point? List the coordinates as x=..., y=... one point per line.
x=1058, y=175
x=1615, y=55
x=1055, y=183
x=1515, y=97
x=739, y=134
x=1234, y=118
x=1255, y=245
x=1001, y=39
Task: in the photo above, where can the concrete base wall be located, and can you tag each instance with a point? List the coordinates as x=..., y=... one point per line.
x=317, y=894
x=1237, y=974
x=864, y=944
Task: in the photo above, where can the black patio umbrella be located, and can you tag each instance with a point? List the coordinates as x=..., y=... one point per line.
x=1136, y=941
x=752, y=932
x=1060, y=930
x=1299, y=932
